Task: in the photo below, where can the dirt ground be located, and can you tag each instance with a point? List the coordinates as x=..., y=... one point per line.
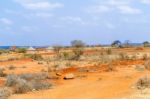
x=96, y=84
x=108, y=85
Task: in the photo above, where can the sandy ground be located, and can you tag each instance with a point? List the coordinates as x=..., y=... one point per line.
x=108, y=85
x=99, y=84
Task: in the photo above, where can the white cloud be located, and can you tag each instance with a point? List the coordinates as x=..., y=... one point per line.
x=38, y=5
x=70, y=19
x=6, y=21
x=115, y=2
x=110, y=25
x=28, y=28
x=43, y=15
x=98, y=9
x=121, y=6
x=145, y=1
x=129, y=10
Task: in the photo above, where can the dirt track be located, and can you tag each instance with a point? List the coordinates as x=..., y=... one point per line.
x=106, y=85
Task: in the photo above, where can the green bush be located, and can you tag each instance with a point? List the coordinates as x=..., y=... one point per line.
x=21, y=50
x=37, y=57
x=77, y=53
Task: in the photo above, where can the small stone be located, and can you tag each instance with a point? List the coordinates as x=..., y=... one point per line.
x=69, y=76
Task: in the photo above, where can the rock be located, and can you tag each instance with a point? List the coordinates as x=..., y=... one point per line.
x=58, y=74
x=69, y=76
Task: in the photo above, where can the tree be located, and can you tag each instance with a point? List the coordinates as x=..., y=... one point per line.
x=116, y=43
x=56, y=49
x=145, y=43
x=127, y=43
x=77, y=43
x=77, y=50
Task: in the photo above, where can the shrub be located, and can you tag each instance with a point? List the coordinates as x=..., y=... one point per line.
x=41, y=85
x=66, y=55
x=77, y=53
x=143, y=82
x=11, y=67
x=5, y=93
x=27, y=82
x=21, y=50
x=109, y=51
x=26, y=76
x=11, y=80
x=68, y=64
x=2, y=74
x=145, y=57
x=57, y=49
x=147, y=64
x=40, y=76
x=40, y=63
x=122, y=56
x=110, y=67
x=34, y=56
x=22, y=86
x=12, y=58
x=3, y=51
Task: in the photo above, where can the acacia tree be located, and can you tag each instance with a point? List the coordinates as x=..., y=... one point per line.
x=116, y=43
x=77, y=43
x=78, y=46
x=145, y=43
x=127, y=43
x=57, y=49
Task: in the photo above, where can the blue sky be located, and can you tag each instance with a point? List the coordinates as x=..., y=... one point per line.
x=49, y=22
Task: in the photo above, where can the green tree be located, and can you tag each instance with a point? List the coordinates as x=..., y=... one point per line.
x=77, y=50
x=116, y=43
x=77, y=43
x=145, y=43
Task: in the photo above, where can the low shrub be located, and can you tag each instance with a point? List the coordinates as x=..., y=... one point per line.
x=109, y=51
x=11, y=67
x=27, y=82
x=143, y=83
x=77, y=53
x=145, y=57
x=22, y=86
x=11, y=80
x=40, y=76
x=2, y=74
x=5, y=93
x=21, y=50
x=147, y=64
x=13, y=59
x=122, y=56
x=37, y=57
x=41, y=85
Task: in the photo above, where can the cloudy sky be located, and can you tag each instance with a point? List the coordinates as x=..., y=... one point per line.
x=48, y=22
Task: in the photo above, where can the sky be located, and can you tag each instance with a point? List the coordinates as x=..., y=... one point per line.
x=50, y=22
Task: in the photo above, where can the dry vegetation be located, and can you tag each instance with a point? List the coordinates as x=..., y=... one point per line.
x=23, y=73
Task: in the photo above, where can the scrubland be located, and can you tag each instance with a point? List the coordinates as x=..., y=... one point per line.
x=76, y=73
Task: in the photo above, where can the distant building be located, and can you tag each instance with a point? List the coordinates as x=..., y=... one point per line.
x=31, y=50
x=50, y=48
x=13, y=48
